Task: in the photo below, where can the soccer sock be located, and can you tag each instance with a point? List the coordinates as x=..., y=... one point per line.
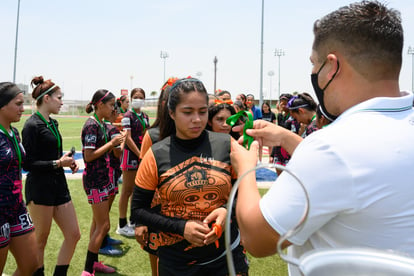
x=40, y=271
x=105, y=241
x=61, y=270
x=91, y=258
x=122, y=222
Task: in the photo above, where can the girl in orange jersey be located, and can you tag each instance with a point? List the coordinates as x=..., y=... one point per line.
x=191, y=170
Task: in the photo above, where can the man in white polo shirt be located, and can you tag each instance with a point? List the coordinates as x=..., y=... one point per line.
x=359, y=170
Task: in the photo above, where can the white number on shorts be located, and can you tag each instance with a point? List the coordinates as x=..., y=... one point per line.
x=26, y=221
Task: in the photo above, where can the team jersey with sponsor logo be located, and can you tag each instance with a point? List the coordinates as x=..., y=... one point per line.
x=137, y=125
x=96, y=172
x=10, y=172
x=113, y=131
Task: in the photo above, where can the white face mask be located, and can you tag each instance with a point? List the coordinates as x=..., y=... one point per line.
x=137, y=103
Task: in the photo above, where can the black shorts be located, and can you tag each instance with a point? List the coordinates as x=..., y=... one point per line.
x=216, y=268
x=50, y=189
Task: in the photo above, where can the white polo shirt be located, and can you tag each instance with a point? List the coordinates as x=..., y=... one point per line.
x=359, y=173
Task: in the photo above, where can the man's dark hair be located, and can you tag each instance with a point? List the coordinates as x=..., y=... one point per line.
x=367, y=33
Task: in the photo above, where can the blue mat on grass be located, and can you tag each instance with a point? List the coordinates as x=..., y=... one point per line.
x=264, y=174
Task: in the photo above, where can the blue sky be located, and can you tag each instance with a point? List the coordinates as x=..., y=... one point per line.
x=85, y=45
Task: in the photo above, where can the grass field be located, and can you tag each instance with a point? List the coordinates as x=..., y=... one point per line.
x=134, y=261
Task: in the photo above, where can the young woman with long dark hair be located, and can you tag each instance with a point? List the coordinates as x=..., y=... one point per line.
x=191, y=170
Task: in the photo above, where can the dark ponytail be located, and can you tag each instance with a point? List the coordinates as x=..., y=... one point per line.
x=303, y=100
x=102, y=95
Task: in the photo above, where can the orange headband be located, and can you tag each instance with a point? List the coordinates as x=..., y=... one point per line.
x=218, y=101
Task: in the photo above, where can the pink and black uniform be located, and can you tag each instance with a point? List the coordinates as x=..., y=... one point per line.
x=312, y=127
x=279, y=154
x=137, y=124
x=114, y=162
x=96, y=173
x=14, y=218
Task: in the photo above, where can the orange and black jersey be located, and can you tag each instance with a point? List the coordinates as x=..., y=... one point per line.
x=194, y=177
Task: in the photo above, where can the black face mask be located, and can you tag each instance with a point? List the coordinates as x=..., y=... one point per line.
x=320, y=91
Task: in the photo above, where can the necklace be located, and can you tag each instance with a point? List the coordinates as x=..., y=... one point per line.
x=101, y=126
x=139, y=118
x=13, y=139
x=53, y=130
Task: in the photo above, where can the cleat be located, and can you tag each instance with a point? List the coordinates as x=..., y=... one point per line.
x=100, y=267
x=112, y=241
x=126, y=231
x=109, y=250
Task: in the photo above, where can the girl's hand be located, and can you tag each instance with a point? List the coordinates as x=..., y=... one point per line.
x=302, y=129
x=217, y=220
x=66, y=160
x=141, y=235
x=74, y=167
x=119, y=139
x=195, y=232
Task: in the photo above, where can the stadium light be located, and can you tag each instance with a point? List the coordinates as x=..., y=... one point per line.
x=164, y=55
x=279, y=53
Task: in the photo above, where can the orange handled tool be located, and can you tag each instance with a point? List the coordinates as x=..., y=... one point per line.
x=218, y=230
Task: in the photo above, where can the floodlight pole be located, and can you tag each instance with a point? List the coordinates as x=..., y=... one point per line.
x=215, y=60
x=15, y=44
x=279, y=53
x=270, y=74
x=164, y=55
x=261, y=59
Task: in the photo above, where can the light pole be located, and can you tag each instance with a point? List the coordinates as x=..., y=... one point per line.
x=261, y=58
x=411, y=52
x=215, y=72
x=279, y=53
x=132, y=79
x=164, y=55
x=15, y=44
x=270, y=74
